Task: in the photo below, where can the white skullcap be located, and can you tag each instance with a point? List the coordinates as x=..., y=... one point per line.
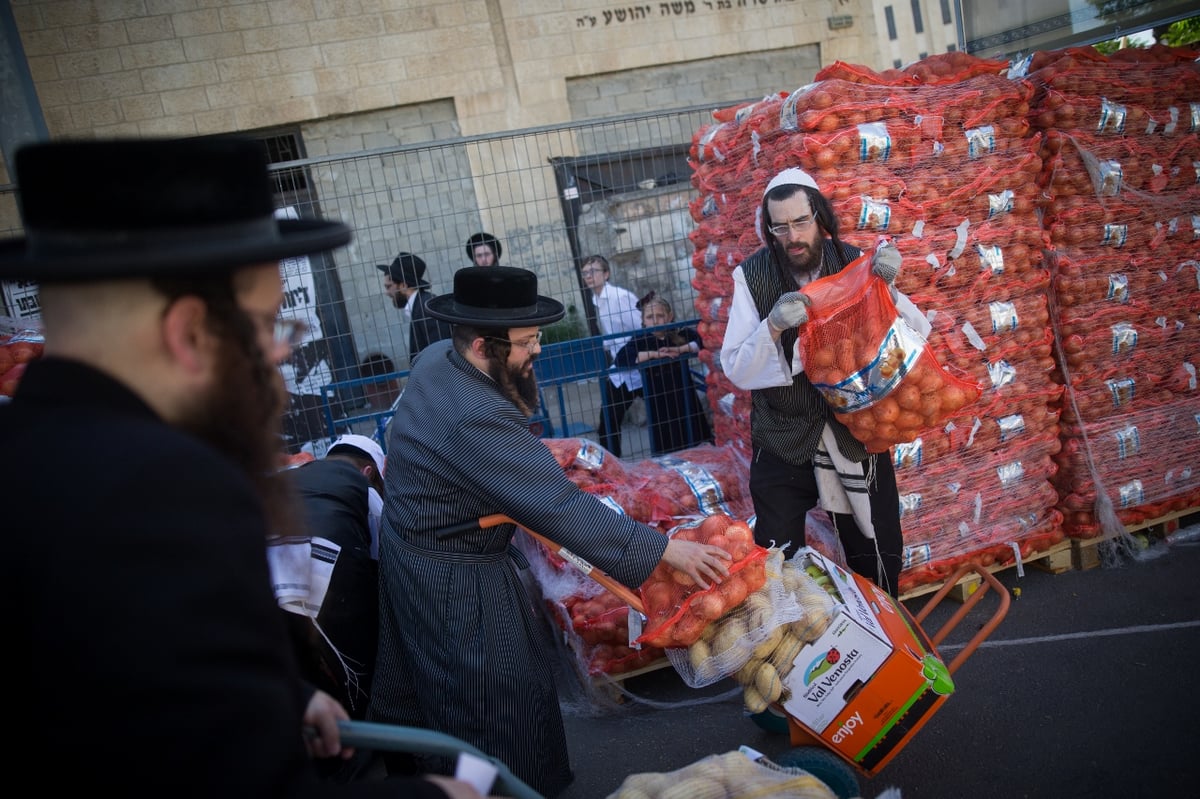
x=364, y=445
x=792, y=176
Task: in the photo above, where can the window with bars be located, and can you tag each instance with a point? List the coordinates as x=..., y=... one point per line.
x=281, y=148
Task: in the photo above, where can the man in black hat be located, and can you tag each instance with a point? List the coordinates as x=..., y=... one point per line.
x=404, y=281
x=459, y=650
x=142, y=606
x=484, y=249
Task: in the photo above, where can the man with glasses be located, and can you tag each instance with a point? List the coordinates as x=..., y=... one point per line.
x=794, y=430
x=460, y=647
x=140, y=599
x=616, y=312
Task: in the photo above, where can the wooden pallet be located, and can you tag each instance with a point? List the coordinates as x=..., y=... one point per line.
x=610, y=686
x=1073, y=554
x=1056, y=559
x=1086, y=553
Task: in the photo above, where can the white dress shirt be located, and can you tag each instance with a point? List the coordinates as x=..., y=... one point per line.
x=750, y=357
x=616, y=312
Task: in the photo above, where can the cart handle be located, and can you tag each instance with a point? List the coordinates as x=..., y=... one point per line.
x=990, y=583
x=623, y=593
x=392, y=738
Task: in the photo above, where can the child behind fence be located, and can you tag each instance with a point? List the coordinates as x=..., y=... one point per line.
x=676, y=412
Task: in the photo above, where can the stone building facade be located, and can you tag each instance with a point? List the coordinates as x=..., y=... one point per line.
x=362, y=86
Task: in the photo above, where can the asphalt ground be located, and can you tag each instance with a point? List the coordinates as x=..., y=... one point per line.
x=1090, y=687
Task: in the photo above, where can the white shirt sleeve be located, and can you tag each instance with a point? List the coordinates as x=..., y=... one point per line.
x=750, y=358
x=620, y=316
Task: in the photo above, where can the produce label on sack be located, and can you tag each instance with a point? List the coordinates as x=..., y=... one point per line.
x=895, y=358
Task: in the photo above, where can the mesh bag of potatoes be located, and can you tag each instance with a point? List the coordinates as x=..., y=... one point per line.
x=732, y=775
x=727, y=643
x=805, y=611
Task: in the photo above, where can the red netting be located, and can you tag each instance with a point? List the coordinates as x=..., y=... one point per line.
x=678, y=610
x=876, y=371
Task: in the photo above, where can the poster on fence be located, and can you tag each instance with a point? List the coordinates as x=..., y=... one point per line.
x=307, y=369
x=21, y=299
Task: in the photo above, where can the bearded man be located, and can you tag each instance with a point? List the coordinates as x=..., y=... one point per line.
x=794, y=431
x=459, y=646
x=139, y=593
x=405, y=283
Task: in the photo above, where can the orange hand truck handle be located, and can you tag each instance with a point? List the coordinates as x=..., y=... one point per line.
x=989, y=583
x=619, y=589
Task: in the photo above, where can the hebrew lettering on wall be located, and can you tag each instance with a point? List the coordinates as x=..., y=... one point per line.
x=675, y=8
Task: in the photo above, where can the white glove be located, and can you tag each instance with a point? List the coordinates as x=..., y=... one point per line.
x=791, y=310
x=886, y=262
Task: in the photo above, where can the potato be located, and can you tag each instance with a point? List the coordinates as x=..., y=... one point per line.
x=758, y=610
x=755, y=702
x=730, y=634
x=764, y=649
x=782, y=658
x=768, y=683
x=688, y=789
x=745, y=675
x=699, y=654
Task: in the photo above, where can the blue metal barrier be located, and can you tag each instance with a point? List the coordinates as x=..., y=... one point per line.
x=556, y=366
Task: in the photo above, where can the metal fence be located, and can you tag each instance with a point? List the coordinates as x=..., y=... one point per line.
x=552, y=196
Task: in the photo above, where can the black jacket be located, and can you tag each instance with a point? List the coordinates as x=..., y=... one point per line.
x=342, y=660
x=139, y=601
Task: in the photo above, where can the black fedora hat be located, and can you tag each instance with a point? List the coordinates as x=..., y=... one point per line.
x=406, y=268
x=102, y=209
x=495, y=296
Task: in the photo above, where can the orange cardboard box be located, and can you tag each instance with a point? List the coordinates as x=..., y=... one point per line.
x=872, y=679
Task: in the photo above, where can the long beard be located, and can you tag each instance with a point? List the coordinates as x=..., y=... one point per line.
x=242, y=418
x=399, y=299
x=806, y=262
x=521, y=390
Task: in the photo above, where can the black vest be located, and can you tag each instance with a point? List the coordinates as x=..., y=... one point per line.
x=787, y=420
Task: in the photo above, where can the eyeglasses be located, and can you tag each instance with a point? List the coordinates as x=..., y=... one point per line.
x=795, y=226
x=529, y=344
x=589, y=272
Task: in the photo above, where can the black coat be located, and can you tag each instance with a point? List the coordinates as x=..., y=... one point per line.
x=677, y=415
x=425, y=329
x=150, y=653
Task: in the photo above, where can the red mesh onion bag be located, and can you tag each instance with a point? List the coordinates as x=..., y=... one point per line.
x=878, y=373
x=677, y=610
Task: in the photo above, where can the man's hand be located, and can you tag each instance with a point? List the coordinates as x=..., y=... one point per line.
x=885, y=263
x=704, y=563
x=321, y=718
x=791, y=310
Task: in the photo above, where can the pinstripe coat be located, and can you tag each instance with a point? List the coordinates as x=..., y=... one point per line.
x=459, y=646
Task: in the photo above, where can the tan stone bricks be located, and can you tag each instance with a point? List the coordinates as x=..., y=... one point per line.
x=194, y=65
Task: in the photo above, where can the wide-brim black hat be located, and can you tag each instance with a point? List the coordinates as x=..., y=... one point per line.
x=102, y=209
x=495, y=296
x=406, y=268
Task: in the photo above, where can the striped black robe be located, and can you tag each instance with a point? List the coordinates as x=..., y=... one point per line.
x=459, y=649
